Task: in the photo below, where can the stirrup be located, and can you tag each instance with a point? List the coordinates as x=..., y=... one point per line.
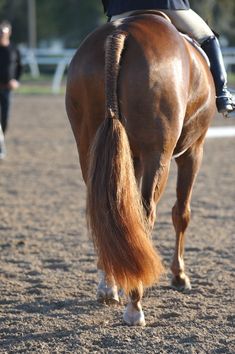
x=226, y=105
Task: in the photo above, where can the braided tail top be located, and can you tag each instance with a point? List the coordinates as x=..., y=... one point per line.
x=114, y=48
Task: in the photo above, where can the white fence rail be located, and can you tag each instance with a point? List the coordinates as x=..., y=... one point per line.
x=60, y=60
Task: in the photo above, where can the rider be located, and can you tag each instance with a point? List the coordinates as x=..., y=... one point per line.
x=186, y=21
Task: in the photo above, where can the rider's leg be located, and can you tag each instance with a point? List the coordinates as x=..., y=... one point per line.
x=189, y=22
x=224, y=100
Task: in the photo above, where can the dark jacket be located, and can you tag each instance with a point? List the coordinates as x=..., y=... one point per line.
x=10, y=64
x=116, y=7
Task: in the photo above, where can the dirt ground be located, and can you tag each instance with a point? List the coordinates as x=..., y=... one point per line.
x=47, y=264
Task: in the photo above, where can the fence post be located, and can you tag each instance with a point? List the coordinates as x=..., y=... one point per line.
x=59, y=75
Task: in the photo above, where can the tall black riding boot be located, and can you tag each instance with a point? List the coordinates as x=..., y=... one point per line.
x=224, y=100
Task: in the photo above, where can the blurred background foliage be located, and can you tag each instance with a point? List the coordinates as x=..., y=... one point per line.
x=69, y=21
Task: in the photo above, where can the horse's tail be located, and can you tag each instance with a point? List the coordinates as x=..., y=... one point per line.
x=115, y=211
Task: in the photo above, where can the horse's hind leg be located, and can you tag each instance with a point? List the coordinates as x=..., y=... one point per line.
x=154, y=170
x=134, y=315
x=155, y=174
x=188, y=166
x=107, y=291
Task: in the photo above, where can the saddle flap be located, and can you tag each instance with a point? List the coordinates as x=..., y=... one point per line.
x=196, y=45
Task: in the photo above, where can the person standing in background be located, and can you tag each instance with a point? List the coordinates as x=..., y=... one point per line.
x=10, y=72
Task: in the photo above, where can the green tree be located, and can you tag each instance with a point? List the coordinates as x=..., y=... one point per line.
x=69, y=20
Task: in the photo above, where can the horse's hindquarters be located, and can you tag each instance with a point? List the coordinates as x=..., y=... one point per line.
x=150, y=108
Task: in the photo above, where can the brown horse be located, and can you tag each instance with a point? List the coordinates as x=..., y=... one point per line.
x=138, y=94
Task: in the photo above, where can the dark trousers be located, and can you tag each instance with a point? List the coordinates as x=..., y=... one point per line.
x=5, y=95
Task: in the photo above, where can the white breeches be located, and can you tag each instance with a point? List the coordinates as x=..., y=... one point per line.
x=186, y=21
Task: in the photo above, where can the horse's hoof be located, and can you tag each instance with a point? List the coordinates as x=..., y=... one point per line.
x=109, y=297
x=181, y=283
x=134, y=318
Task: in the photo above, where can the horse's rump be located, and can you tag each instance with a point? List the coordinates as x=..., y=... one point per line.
x=155, y=76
